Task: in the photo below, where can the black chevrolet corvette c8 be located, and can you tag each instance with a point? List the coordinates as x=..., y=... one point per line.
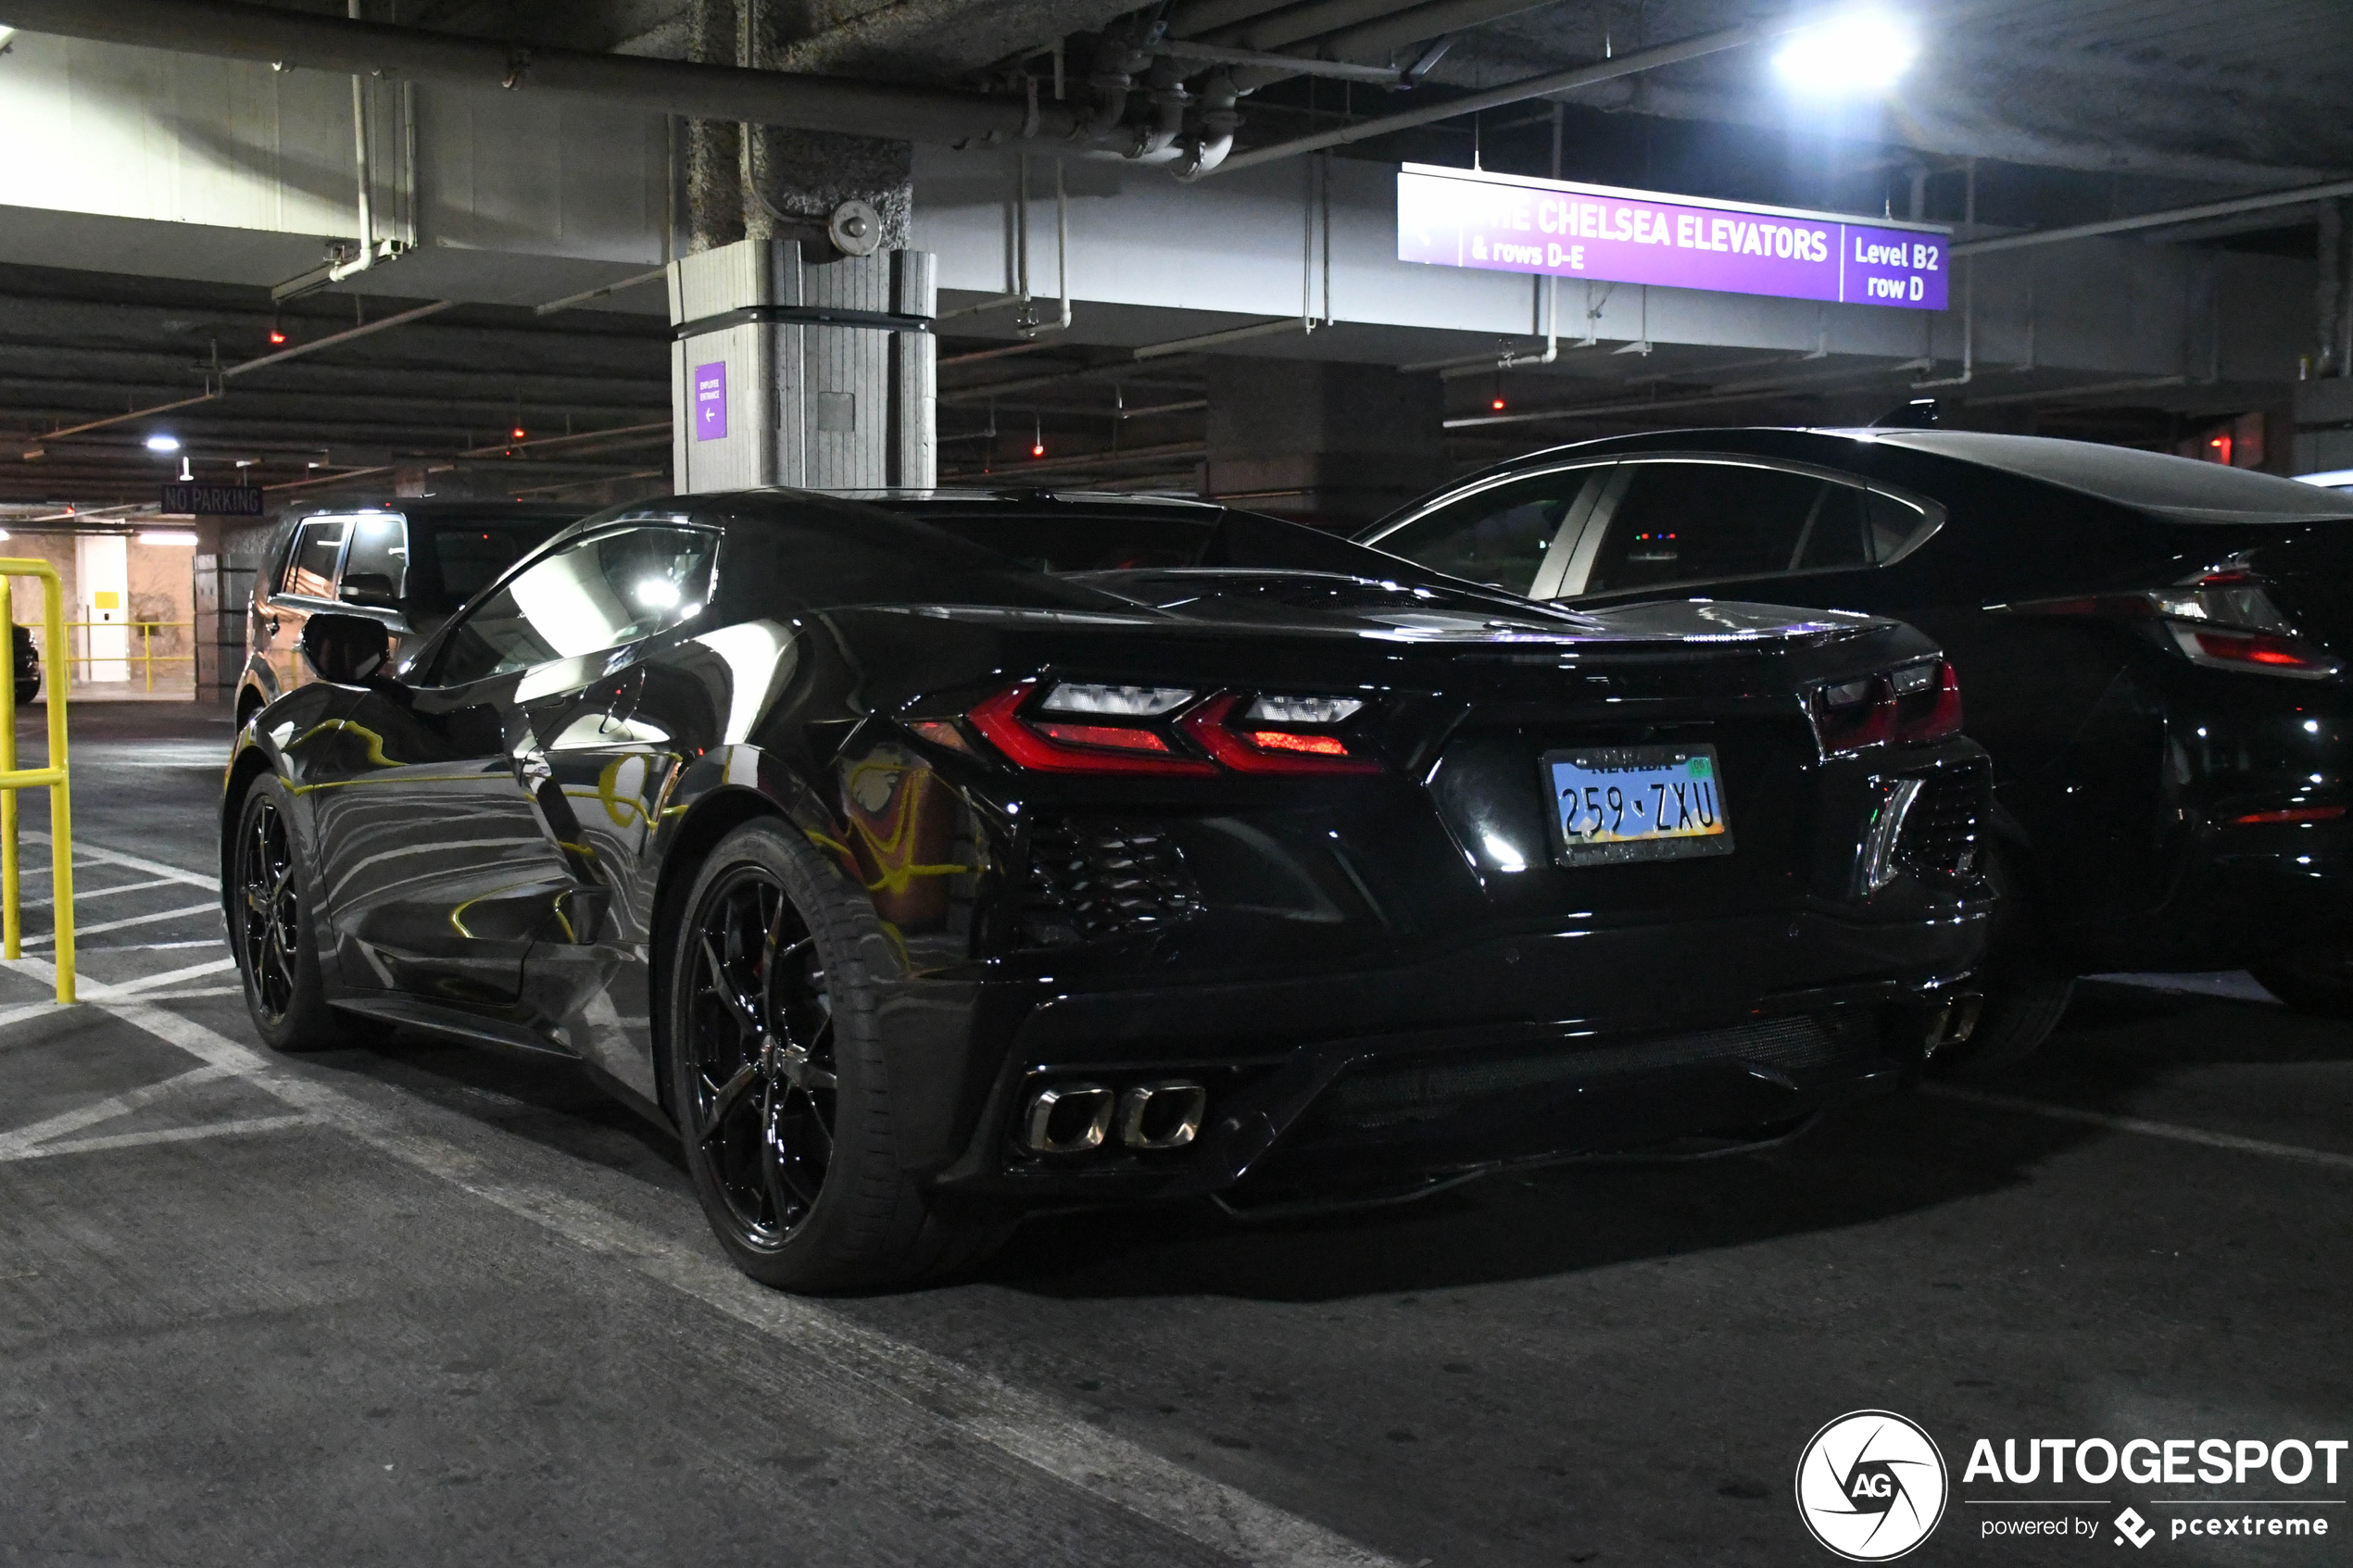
x=919, y=883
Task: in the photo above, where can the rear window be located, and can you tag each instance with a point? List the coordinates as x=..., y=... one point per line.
x=468, y=556
x=1085, y=542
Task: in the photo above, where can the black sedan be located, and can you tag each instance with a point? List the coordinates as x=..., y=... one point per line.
x=919, y=882
x=2156, y=652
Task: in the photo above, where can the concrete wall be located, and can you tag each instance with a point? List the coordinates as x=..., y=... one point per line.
x=161, y=588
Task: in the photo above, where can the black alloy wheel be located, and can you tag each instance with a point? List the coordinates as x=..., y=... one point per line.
x=272, y=928
x=759, y=1045
x=271, y=906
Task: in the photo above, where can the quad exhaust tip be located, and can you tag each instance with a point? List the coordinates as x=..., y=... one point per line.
x=1077, y=1118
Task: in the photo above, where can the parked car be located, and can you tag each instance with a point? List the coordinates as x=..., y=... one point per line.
x=27, y=668
x=2155, y=651
x=409, y=567
x=918, y=886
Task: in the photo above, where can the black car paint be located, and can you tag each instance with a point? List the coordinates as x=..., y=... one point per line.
x=502, y=861
x=2118, y=763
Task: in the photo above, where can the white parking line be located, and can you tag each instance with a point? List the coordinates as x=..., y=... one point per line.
x=162, y=1134
x=82, y=894
x=98, y=853
x=17, y=1139
x=1026, y=1425
x=94, y=990
x=2142, y=1125
x=158, y=916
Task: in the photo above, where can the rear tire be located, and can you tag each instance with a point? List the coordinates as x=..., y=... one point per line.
x=2026, y=989
x=779, y=1082
x=272, y=929
x=2315, y=980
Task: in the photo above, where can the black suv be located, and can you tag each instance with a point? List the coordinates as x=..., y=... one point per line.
x=411, y=566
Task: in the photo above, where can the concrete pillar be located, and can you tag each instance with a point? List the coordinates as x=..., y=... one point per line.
x=2333, y=299
x=1334, y=445
x=229, y=551
x=831, y=382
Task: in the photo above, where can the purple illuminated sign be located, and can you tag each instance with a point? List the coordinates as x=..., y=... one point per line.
x=710, y=401
x=1503, y=223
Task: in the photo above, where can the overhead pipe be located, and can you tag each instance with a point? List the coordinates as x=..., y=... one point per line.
x=2164, y=219
x=1216, y=119
x=1510, y=92
x=233, y=30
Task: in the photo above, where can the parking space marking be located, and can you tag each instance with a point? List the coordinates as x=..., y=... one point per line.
x=1027, y=1426
x=154, y=918
x=82, y=894
x=2142, y=1125
x=163, y=1135
x=17, y=1139
x=95, y=990
x=98, y=854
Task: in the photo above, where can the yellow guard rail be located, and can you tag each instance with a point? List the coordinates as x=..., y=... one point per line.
x=13, y=778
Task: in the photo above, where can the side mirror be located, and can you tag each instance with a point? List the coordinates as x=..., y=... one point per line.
x=372, y=589
x=350, y=650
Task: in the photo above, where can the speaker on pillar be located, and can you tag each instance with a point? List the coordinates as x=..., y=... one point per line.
x=815, y=373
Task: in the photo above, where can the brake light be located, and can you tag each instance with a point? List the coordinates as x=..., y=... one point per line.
x=2223, y=620
x=1268, y=751
x=1908, y=706
x=1055, y=747
x=2290, y=814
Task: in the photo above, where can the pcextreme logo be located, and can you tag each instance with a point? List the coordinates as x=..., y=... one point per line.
x=1871, y=1486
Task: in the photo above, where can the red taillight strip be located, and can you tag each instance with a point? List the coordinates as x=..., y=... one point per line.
x=998, y=719
x=1883, y=721
x=2290, y=814
x=1206, y=725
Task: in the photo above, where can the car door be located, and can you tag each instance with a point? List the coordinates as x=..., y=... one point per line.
x=446, y=851
x=1512, y=533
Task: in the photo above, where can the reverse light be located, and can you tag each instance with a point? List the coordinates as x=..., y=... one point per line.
x=1303, y=710
x=1908, y=706
x=1120, y=702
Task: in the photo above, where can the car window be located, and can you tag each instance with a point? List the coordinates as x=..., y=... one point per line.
x=310, y=565
x=1496, y=535
x=596, y=592
x=378, y=564
x=1896, y=525
x=1690, y=522
x=468, y=556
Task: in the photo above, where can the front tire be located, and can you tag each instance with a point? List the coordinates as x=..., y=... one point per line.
x=272, y=929
x=778, y=1078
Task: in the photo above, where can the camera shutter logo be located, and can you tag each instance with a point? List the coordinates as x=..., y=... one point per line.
x=1871, y=1486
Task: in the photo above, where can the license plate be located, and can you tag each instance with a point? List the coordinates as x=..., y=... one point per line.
x=1619, y=803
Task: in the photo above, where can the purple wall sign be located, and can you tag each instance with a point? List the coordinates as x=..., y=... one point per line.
x=1503, y=223
x=710, y=401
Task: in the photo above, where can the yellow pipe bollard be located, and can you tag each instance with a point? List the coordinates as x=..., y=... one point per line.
x=12, y=778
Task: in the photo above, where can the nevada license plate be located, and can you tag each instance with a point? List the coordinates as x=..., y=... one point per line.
x=1619, y=803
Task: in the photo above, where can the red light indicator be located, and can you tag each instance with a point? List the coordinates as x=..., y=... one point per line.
x=1496, y=404
x=276, y=336
x=518, y=433
x=1037, y=449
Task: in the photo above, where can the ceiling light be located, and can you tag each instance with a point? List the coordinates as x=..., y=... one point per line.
x=166, y=536
x=1860, y=52
x=162, y=443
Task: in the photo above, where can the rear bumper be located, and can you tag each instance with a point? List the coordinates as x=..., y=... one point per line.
x=1516, y=1047
x=2243, y=894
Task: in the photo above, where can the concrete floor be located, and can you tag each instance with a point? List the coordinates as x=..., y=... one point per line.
x=421, y=1304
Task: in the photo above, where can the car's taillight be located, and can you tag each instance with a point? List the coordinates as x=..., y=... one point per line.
x=2222, y=620
x=1249, y=745
x=1049, y=743
x=1908, y=704
x=1099, y=729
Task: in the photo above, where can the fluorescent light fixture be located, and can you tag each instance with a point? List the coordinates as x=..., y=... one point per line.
x=162, y=443
x=166, y=536
x=4, y=533
x=1857, y=52
x=6, y=33
x=2329, y=479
